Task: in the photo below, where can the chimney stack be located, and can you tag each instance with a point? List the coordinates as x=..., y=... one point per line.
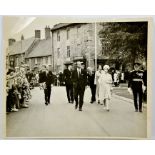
x=11, y=41
x=22, y=37
x=47, y=32
x=37, y=34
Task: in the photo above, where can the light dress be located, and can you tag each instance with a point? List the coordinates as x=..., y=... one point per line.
x=105, y=83
x=96, y=82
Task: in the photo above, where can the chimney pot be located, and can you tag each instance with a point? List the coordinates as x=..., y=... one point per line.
x=11, y=41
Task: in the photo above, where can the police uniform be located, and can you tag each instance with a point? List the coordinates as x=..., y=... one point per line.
x=136, y=81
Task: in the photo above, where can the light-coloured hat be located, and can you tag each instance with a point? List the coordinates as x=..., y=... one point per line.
x=44, y=65
x=78, y=62
x=89, y=68
x=106, y=67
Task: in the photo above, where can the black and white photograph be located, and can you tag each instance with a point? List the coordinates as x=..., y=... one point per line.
x=79, y=78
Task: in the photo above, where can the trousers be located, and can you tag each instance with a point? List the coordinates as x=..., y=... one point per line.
x=79, y=95
x=47, y=92
x=69, y=90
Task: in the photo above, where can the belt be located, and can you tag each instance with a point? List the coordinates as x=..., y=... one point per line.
x=138, y=80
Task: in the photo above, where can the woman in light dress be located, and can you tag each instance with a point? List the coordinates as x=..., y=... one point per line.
x=105, y=83
x=96, y=82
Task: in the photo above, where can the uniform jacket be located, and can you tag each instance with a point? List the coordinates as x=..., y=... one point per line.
x=136, y=75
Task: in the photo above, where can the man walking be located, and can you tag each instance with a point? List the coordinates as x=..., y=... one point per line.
x=136, y=85
x=46, y=80
x=91, y=78
x=68, y=82
x=79, y=78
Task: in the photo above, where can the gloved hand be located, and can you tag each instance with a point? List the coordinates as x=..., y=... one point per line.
x=130, y=90
x=143, y=88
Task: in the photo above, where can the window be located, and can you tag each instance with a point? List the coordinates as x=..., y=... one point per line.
x=17, y=61
x=68, y=33
x=68, y=51
x=36, y=61
x=58, y=52
x=46, y=60
x=58, y=36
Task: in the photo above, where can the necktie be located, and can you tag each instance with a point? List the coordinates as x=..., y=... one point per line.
x=78, y=72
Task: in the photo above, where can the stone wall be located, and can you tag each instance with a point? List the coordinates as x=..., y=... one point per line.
x=81, y=40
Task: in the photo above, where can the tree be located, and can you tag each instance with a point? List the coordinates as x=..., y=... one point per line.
x=127, y=41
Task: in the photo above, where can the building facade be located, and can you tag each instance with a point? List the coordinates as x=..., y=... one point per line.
x=33, y=51
x=71, y=42
x=17, y=50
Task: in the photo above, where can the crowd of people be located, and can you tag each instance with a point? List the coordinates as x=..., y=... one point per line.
x=17, y=89
x=75, y=78
x=101, y=84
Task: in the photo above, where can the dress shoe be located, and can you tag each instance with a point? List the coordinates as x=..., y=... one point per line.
x=140, y=111
x=14, y=110
x=80, y=109
x=76, y=106
x=46, y=103
x=24, y=106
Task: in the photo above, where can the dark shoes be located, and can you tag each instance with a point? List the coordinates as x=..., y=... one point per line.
x=76, y=106
x=70, y=102
x=46, y=103
x=92, y=102
x=140, y=110
x=80, y=109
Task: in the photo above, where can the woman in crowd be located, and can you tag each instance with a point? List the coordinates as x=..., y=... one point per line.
x=105, y=82
x=18, y=92
x=12, y=99
x=96, y=82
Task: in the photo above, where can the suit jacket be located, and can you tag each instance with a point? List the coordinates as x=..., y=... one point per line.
x=68, y=77
x=48, y=78
x=80, y=81
x=91, y=79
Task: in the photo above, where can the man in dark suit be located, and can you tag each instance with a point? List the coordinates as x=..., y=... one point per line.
x=46, y=79
x=91, y=77
x=79, y=78
x=68, y=82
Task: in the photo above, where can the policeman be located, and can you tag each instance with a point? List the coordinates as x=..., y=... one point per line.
x=136, y=85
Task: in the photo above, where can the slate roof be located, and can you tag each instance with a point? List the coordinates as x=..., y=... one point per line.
x=43, y=48
x=62, y=25
x=21, y=46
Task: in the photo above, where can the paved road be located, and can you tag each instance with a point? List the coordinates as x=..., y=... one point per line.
x=60, y=119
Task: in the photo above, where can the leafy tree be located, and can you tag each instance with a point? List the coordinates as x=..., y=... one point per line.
x=126, y=41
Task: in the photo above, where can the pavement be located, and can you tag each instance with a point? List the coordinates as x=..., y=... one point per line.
x=60, y=119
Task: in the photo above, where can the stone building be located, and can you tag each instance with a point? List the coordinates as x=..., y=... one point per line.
x=17, y=50
x=72, y=42
x=33, y=51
